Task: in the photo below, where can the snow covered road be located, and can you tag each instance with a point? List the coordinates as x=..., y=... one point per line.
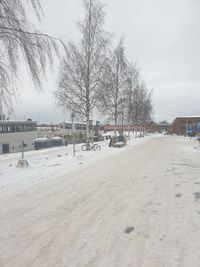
x=137, y=208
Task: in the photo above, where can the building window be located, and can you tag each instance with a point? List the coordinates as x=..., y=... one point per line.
x=16, y=128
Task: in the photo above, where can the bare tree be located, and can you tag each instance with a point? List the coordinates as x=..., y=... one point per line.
x=82, y=67
x=132, y=83
x=20, y=41
x=141, y=104
x=147, y=108
x=115, y=83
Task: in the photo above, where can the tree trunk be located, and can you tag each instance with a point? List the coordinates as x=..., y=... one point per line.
x=129, y=125
x=115, y=128
x=88, y=129
x=122, y=120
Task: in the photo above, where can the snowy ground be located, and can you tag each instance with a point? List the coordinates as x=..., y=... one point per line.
x=49, y=163
x=138, y=206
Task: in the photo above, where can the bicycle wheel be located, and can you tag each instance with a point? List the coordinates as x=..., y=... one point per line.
x=84, y=147
x=96, y=147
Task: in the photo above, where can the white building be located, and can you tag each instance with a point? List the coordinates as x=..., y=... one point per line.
x=80, y=128
x=13, y=133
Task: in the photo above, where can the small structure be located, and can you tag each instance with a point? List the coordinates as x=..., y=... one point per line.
x=56, y=141
x=41, y=143
x=44, y=142
x=22, y=163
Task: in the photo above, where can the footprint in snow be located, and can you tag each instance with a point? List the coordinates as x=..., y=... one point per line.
x=197, y=196
x=129, y=229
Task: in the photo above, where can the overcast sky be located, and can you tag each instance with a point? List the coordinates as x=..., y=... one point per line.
x=162, y=36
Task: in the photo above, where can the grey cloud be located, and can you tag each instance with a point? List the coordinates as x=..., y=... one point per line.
x=162, y=36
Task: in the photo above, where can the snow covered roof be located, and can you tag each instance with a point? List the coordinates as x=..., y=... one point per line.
x=76, y=122
x=42, y=139
x=17, y=122
x=56, y=138
x=193, y=116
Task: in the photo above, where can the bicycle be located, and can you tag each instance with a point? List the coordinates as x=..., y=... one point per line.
x=90, y=146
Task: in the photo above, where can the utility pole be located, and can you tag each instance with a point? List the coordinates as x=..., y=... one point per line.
x=22, y=150
x=73, y=132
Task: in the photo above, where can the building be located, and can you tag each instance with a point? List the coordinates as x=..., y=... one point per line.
x=184, y=125
x=13, y=133
x=159, y=127
x=65, y=130
x=48, y=130
x=80, y=128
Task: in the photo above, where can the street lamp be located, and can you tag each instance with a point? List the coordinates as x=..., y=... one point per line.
x=73, y=132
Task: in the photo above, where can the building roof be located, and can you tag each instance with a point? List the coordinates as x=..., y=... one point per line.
x=42, y=139
x=56, y=138
x=17, y=122
x=185, y=117
x=76, y=122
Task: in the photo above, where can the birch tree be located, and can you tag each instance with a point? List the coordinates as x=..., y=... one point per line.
x=82, y=67
x=136, y=106
x=146, y=105
x=141, y=104
x=115, y=83
x=132, y=83
x=19, y=42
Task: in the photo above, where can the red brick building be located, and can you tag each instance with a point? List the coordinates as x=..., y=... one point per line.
x=181, y=124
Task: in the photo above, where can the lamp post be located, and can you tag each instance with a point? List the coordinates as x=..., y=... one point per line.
x=22, y=150
x=73, y=132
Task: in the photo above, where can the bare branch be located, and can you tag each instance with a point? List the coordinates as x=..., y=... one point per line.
x=18, y=37
x=82, y=68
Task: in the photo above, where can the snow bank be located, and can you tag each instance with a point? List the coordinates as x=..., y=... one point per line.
x=50, y=163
